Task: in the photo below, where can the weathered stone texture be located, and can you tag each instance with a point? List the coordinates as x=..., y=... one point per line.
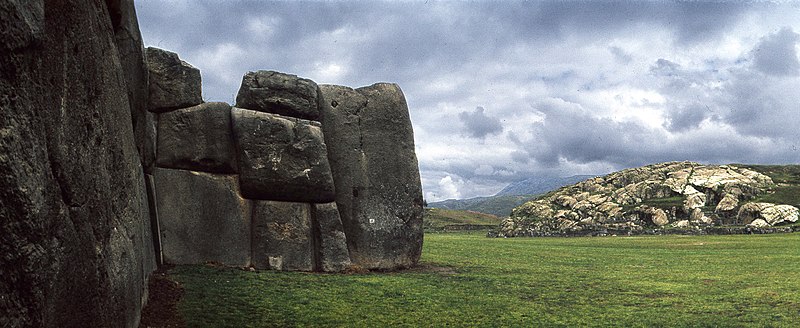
x=197, y=138
x=371, y=150
x=202, y=218
x=72, y=207
x=331, y=242
x=173, y=83
x=281, y=158
x=134, y=67
x=282, y=236
x=279, y=93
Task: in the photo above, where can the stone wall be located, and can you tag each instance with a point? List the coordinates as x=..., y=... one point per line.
x=110, y=162
x=76, y=244
x=256, y=184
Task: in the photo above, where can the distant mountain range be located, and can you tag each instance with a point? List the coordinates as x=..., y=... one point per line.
x=511, y=196
x=536, y=185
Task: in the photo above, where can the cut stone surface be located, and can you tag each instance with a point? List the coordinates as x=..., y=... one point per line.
x=281, y=158
x=202, y=218
x=282, y=237
x=73, y=210
x=173, y=82
x=197, y=138
x=279, y=93
x=332, y=254
x=371, y=143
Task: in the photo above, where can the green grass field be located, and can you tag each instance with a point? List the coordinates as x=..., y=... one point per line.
x=469, y=280
x=437, y=219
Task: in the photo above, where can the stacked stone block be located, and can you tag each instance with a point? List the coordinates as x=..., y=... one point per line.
x=256, y=184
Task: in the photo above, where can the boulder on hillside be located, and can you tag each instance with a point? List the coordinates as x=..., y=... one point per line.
x=281, y=158
x=197, y=138
x=173, y=83
x=379, y=195
x=332, y=254
x=282, y=236
x=279, y=93
x=771, y=213
x=202, y=218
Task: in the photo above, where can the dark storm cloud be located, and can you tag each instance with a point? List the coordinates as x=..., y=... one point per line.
x=583, y=87
x=776, y=54
x=478, y=124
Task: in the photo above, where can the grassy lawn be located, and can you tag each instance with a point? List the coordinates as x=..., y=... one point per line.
x=470, y=280
x=436, y=219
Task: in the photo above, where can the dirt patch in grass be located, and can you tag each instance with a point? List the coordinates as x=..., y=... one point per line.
x=431, y=268
x=162, y=303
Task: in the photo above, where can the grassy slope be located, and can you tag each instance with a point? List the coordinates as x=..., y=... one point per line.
x=637, y=281
x=496, y=205
x=441, y=219
x=787, y=177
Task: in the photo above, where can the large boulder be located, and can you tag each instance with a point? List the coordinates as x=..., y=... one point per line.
x=282, y=236
x=771, y=213
x=281, y=158
x=73, y=210
x=202, y=218
x=371, y=149
x=279, y=93
x=197, y=138
x=332, y=254
x=173, y=83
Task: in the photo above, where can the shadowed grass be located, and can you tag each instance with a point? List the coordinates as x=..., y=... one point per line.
x=654, y=281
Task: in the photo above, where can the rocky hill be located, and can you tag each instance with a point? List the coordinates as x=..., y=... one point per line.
x=513, y=195
x=494, y=205
x=539, y=185
x=686, y=196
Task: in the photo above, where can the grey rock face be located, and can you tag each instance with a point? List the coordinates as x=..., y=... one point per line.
x=173, y=82
x=281, y=158
x=332, y=254
x=202, y=218
x=197, y=138
x=73, y=213
x=131, y=53
x=282, y=237
x=279, y=93
x=371, y=150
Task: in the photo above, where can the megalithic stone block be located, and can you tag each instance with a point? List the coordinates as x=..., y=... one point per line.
x=281, y=158
x=173, y=83
x=282, y=236
x=279, y=93
x=331, y=242
x=371, y=152
x=197, y=138
x=202, y=218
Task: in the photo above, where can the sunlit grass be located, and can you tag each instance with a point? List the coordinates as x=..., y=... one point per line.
x=740, y=280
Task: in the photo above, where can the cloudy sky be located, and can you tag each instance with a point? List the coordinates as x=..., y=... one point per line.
x=502, y=91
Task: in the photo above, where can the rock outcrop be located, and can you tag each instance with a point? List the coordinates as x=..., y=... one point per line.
x=371, y=151
x=681, y=195
x=76, y=240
